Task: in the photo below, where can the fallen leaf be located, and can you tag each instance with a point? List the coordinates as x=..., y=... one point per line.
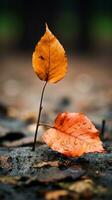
x=5, y=162
x=73, y=135
x=49, y=60
x=48, y=163
x=56, y=195
x=87, y=188
x=82, y=186
x=52, y=174
x=56, y=163
x=13, y=180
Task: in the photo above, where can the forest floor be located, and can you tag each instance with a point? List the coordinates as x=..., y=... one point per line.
x=46, y=174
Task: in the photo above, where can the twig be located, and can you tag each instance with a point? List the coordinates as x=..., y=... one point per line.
x=48, y=125
x=103, y=128
x=39, y=115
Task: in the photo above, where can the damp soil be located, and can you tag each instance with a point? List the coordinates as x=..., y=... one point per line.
x=46, y=174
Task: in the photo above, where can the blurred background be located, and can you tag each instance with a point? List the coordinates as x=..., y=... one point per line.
x=84, y=28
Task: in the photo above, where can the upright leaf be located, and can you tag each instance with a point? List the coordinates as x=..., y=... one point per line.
x=49, y=60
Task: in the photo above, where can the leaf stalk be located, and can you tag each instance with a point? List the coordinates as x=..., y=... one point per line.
x=39, y=115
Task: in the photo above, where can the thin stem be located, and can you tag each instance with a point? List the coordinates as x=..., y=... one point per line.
x=39, y=115
x=48, y=125
x=103, y=128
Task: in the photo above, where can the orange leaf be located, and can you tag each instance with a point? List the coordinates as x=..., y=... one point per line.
x=73, y=135
x=49, y=60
